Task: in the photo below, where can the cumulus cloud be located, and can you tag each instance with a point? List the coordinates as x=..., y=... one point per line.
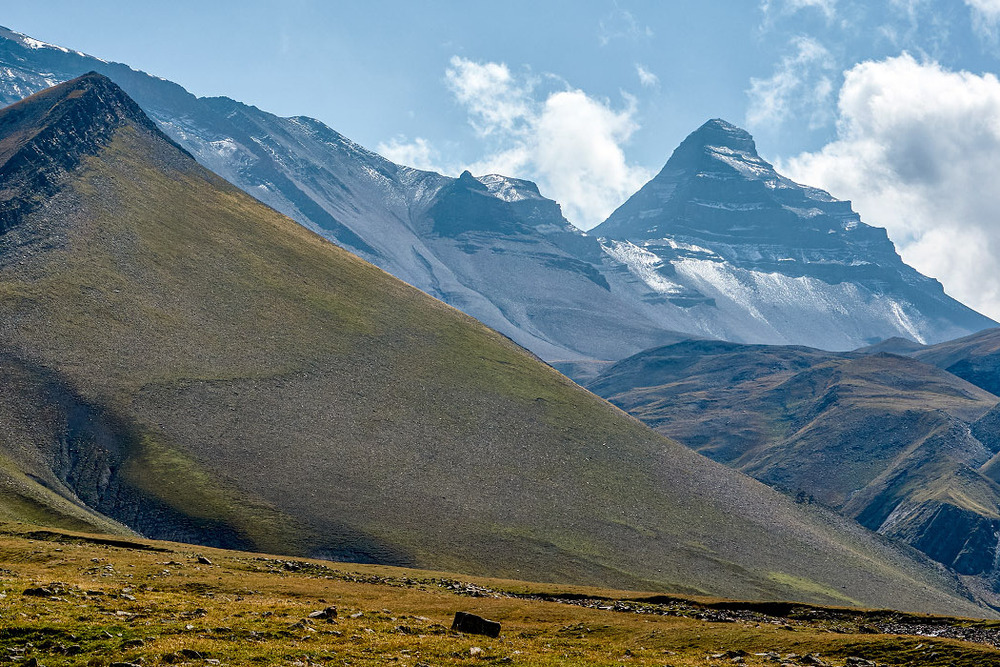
x=646, y=78
x=567, y=141
x=416, y=153
x=495, y=100
x=918, y=150
x=801, y=85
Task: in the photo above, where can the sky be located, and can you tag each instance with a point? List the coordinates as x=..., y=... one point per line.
x=894, y=105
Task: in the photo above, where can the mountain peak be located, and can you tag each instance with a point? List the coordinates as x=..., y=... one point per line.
x=718, y=133
x=48, y=134
x=510, y=189
x=93, y=104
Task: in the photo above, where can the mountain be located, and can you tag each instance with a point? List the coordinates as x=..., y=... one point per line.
x=903, y=447
x=974, y=358
x=498, y=250
x=179, y=359
x=513, y=262
x=772, y=261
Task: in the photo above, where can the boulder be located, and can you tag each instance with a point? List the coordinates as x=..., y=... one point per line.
x=475, y=625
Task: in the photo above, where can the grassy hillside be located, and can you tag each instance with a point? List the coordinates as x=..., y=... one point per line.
x=975, y=358
x=212, y=372
x=882, y=438
x=75, y=599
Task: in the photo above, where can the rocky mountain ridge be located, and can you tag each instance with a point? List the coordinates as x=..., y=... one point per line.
x=508, y=257
x=789, y=263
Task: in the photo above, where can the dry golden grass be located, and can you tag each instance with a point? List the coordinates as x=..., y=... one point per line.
x=114, y=603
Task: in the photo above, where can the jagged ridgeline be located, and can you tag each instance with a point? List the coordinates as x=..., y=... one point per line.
x=717, y=245
x=180, y=360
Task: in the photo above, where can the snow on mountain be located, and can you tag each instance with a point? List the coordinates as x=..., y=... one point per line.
x=770, y=260
x=717, y=245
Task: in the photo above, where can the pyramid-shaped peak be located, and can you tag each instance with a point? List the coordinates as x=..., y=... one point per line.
x=719, y=133
x=47, y=135
x=89, y=103
x=469, y=182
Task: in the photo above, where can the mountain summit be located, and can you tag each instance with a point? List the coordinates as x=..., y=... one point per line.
x=770, y=260
x=715, y=187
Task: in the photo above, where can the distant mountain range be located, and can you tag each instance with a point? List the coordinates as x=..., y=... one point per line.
x=180, y=360
x=907, y=445
x=718, y=245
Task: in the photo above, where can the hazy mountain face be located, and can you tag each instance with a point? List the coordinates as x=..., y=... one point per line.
x=717, y=245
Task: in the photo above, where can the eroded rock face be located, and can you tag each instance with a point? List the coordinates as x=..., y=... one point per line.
x=84, y=453
x=962, y=539
x=32, y=160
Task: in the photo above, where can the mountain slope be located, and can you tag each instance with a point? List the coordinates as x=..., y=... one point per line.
x=537, y=280
x=511, y=260
x=771, y=261
x=974, y=358
x=213, y=372
x=882, y=438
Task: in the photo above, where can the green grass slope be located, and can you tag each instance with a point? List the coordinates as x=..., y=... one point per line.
x=882, y=438
x=210, y=371
x=113, y=602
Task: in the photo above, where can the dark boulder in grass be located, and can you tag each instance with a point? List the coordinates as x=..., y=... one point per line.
x=327, y=614
x=475, y=625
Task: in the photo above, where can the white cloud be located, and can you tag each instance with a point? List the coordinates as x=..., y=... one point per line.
x=417, y=153
x=985, y=16
x=567, y=141
x=495, y=101
x=918, y=151
x=621, y=24
x=646, y=78
x=801, y=85
x=827, y=7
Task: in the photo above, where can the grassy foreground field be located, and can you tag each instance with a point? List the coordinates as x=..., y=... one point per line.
x=76, y=599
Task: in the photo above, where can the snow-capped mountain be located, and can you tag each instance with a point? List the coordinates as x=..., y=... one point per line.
x=751, y=256
x=497, y=249
x=512, y=261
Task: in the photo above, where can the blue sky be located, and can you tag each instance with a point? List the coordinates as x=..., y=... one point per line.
x=893, y=105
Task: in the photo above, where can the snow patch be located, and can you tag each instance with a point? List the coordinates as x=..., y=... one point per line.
x=743, y=162
x=226, y=148
x=905, y=322
x=644, y=265
x=33, y=43
x=679, y=245
x=729, y=206
x=507, y=189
